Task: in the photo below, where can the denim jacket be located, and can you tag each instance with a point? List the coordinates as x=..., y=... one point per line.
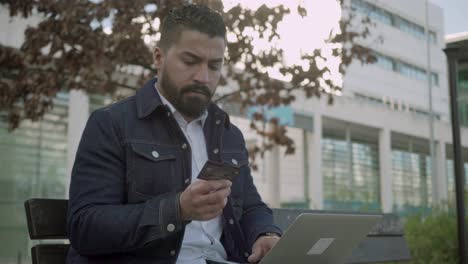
x=131, y=166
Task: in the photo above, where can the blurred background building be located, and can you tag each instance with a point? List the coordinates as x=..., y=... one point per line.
x=369, y=151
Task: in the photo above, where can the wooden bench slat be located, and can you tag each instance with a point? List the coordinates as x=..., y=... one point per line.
x=49, y=253
x=46, y=218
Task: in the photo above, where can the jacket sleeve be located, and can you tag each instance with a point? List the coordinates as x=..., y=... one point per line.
x=257, y=218
x=99, y=222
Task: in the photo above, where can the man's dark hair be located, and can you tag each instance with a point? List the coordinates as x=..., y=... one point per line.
x=192, y=17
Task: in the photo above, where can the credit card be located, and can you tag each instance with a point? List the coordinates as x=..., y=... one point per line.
x=213, y=170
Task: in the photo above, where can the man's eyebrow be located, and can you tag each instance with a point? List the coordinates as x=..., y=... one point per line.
x=196, y=57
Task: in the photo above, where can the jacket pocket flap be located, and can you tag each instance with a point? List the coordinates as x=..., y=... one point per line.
x=236, y=158
x=155, y=152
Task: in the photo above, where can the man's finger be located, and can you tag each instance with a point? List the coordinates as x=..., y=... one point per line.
x=255, y=257
x=214, y=197
x=219, y=184
x=204, y=187
x=256, y=254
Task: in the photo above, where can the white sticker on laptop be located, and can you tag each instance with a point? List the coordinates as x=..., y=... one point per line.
x=320, y=246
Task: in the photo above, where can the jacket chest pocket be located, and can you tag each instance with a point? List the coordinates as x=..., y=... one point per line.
x=153, y=168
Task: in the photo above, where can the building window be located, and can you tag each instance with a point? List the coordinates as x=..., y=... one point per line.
x=412, y=183
x=451, y=181
x=435, y=79
x=391, y=19
x=33, y=162
x=409, y=27
x=432, y=37
x=97, y=101
x=463, y=93
x=385, y=62
x=372, y=11
x=351, y=175
x=411, y=71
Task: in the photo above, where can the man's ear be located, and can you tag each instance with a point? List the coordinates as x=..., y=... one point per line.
x=158, y=57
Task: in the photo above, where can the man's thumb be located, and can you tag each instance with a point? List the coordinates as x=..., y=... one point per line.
x=255, y=256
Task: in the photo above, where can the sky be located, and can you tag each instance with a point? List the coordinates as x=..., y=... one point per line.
x=325, y=13
x=455, y=15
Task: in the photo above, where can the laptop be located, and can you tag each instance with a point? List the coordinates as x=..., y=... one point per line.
x=319, y=238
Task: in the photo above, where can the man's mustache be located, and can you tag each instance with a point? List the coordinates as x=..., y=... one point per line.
x=196, y=88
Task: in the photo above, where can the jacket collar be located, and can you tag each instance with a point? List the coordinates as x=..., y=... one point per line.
x=148, y=100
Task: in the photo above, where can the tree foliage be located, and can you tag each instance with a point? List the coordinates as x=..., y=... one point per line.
x=73, y=48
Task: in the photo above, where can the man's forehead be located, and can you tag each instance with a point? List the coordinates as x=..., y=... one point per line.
x=193, y=54
x=199, y=43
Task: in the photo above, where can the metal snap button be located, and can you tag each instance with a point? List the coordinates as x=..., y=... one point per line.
x=155, y=154
x=170, y=227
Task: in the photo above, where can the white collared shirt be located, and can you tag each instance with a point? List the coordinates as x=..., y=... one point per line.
x=201, y=238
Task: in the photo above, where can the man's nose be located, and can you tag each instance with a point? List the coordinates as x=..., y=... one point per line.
x=202, y=74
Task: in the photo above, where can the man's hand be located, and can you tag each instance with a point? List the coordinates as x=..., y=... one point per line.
x=261, y=247
x=204, y=200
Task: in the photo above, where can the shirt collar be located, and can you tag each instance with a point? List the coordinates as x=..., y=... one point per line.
x=177, y=114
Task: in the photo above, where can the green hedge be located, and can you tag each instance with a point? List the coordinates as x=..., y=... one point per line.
x=433, y=238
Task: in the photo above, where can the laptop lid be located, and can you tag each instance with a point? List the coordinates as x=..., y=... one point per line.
x=321, y=238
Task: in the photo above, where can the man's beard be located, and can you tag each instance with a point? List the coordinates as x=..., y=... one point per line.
x=189, y=106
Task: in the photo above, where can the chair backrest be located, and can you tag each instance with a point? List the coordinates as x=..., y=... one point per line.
x=46, y=219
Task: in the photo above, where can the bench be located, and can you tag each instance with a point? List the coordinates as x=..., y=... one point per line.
x=46, y=220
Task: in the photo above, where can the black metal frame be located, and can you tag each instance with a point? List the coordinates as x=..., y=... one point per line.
x=457, y=51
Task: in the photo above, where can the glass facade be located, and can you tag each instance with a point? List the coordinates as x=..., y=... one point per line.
x=408, y=70
x=394, y=20
x=350, y=175
x=412, y=181
x=33, y=159
x=97, y=101
x=463, y=93
x=451, y=181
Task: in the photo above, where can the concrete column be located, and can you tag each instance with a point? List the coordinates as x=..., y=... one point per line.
x=314, y=141
x=273, y=177
x=439, y=180
x=386, y=175
x=78, y=112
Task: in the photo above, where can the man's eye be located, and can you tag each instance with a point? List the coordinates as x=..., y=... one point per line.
x=214, y=67
x=189, y=62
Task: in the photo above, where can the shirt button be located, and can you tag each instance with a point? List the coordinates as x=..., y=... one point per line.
x=172, y=252
x=170, y=227
x=187, y=181
x=184, y=146
x=246, y=254
x=215, y=151
x=234, y=161
x=231, y=221
x=155, y=154
x=168, y=114
x=218, y=122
